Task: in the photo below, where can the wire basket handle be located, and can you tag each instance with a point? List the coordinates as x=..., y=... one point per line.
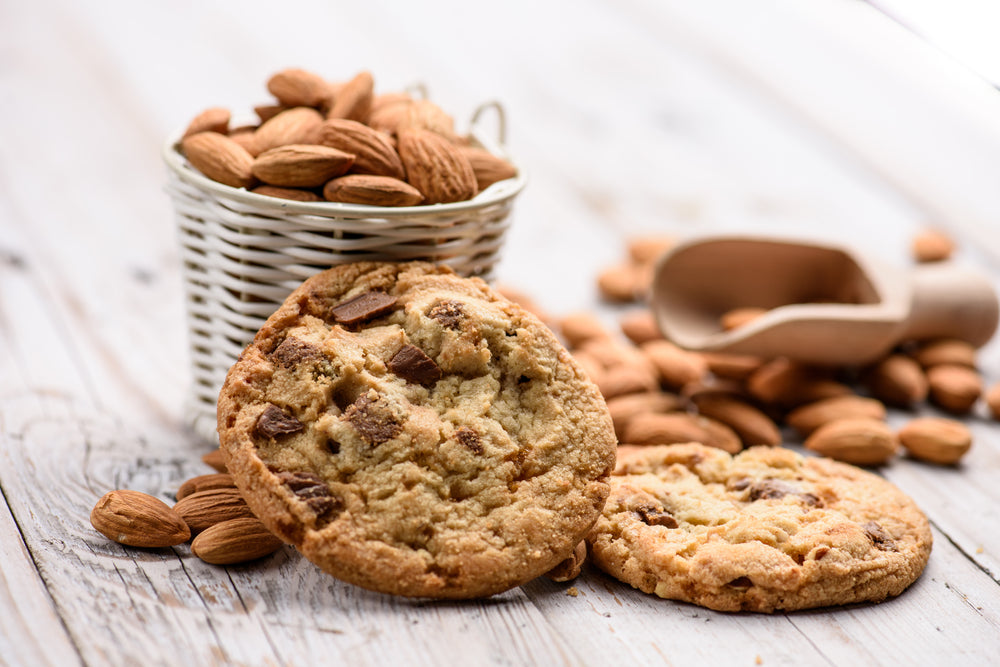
x=501, y=120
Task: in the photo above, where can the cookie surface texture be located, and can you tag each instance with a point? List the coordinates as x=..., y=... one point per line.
x=414, y=433
x=765, y=530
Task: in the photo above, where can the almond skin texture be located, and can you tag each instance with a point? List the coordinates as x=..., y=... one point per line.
x=235, y=541
x=859, y=441
x=426, y=115
x=936, y=440
x=353, y=100
x=218, y=480
x=207, y=508
x=623, y=408
x=138, y=519
x=809, y=417
x=298, y=87
x=751, y=424
x=676, y=366
x=301, y=165
x=292, y=126
x=373, y=151
x=436, y=167
x=640, y=326
x=487, y=167
x=219, y=158
x=954, y=388
x=897, y=380
x=215, y=119
x=680, y=427
x=372, y=191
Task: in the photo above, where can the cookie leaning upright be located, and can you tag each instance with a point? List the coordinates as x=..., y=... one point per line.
x=764, y=530
x=412, y=432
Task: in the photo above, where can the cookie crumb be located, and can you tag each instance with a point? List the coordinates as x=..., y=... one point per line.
x=572, y=591
x=758, y=660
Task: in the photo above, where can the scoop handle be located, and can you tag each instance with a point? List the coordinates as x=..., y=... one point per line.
x=949, y=301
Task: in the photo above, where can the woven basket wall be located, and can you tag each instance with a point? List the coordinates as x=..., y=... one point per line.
x=243, y=253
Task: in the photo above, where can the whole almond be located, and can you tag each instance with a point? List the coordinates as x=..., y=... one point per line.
x=299, y=125
x=751, y=424
x=372, y=191
x=946, y=351
x=217, y=480
x=622, y=283
x=215, y=459
x=857, y=440
x=390, y=115
x=235, y=541
x=298, y=87
x=266, y=112
x=294, y=194
x=731, y=366
x=436, y=167
x=427, y=115
x=807, y=418
x=353, y=99
x=206, y=508
x=931, y=245
x=993, y=400
x=373, y=151
x=676, y=366
x=954, y=388
x=623, y=408
x=219, y=158
x=780, y=382
x=244, y=136
x=897, y=380
x=487, y=167
x=648, y=249
x=214, y=119
x=138, y=519
x=626, y=379
x=301, y=165
x=580, y=326
x=936, y=439
x=680, y=427
x=640, y=326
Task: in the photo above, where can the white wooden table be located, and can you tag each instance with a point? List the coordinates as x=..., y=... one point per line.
x=632, y=116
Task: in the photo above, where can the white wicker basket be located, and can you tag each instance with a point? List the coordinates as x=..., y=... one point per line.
x=244, y=253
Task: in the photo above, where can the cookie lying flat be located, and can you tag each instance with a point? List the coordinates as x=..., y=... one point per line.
x=412, y=432
x=764, y=530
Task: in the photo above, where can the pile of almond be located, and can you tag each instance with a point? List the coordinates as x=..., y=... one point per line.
x=339, y=141
x=659, y=393
x=208, y=508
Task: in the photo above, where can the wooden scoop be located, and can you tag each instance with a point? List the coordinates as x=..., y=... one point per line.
x=824, y=304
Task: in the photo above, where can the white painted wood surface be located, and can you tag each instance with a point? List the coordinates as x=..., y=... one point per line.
x=817, y=119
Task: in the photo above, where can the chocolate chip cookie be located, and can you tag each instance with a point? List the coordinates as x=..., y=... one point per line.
x=765, y=530
x=413, y=432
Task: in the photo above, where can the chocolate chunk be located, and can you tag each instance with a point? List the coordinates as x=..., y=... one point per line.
x=469, y=438
x=274, y=422
x=775, y=489
x=656, y=516
x=411, y=364
x=740, y=582
x=311, y=489
x=879, y=537
x=372, y=420
x=449, y=313
x=363, y=307
x=294, y=351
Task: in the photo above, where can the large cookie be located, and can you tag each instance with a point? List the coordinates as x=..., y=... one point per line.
x=764, y=530
x=412, y=432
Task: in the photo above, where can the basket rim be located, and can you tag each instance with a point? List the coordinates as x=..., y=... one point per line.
x=496, y=193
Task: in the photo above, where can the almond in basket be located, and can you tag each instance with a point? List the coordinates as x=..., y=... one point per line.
x=395, y=150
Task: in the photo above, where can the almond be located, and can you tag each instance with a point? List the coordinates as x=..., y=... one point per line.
x=625, y=407
x=648, y=249
x=936, y=439
x=301, y=165
x=390, y=115
x=235, y=541
x=738, y=317
x=426, y=115
x=294, y=194
x=487, y=167
x=731, y=366
x=993, y=400
x=372, y=150
x=219, y=158
x=859, y=441
x=580, y=326
x=138, y=519
x=946, y=351
x=954, y=388
x=299, y=125
x=897, y=380
x=215, y=459
x=931, y=245
x=676, y=366
x=298, y=87
x=436, y=167
x=266, y=112
x=206, y=508
x=215, y=119
x=750, y=423
x=640, y=326
x=372, y=191
x=622, y=283
x=354, y=98
x=626, y=379
x=680, y=427
x=807, y=418
x=218, y=480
